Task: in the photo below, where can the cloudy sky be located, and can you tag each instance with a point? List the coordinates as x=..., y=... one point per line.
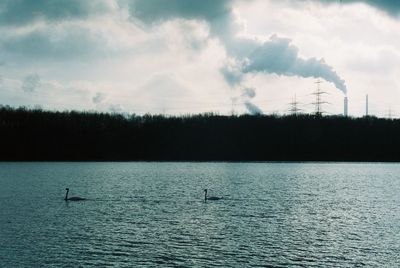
x=194, y=56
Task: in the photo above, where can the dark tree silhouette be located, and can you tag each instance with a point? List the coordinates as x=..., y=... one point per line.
x=37, y=135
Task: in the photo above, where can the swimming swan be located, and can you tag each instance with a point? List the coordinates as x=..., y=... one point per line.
x=210, y=197
x=72, y=198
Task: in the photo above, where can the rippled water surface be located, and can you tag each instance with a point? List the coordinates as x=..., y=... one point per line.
x=154, y=215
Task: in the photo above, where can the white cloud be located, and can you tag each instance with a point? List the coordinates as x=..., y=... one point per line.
x=360, y=42
x=109, y=59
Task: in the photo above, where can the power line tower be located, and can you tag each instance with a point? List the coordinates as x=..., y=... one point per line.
x=294, y=106
x=318, y=99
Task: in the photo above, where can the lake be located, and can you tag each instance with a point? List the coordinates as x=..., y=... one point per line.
x=154, y=215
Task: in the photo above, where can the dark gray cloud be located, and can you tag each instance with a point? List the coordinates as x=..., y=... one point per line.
x=153, y=11
x=21, y=12
x=64, y=43
x=274, y=56
x=277, y=55
x=391, y=7
x=51, y=40
x=217, y=13
x=31, y=83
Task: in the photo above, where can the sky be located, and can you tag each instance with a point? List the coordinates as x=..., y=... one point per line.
x=195, y=56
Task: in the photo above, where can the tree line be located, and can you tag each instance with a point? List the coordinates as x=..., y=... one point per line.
x=37, y=135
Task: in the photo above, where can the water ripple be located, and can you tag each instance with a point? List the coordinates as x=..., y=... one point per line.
x=154, y=215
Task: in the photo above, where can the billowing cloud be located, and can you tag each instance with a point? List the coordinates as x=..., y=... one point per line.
x=52, y=29
x=153, y=11
x=232, y=73
x=391, y=7
x=277, y=55
x=54, y=43
x=224, y=48
x=22, y=12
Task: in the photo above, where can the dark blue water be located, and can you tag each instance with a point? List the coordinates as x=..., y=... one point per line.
x=154, y=215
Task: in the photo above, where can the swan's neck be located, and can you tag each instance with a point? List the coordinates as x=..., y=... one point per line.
x=66, y=195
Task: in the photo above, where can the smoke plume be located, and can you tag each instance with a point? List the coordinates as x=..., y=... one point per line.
x=249, y=92
x=253, y=109
x=247, y=95
x=277, y=55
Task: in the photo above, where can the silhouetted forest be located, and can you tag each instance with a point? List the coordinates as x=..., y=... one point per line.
x=36, y=135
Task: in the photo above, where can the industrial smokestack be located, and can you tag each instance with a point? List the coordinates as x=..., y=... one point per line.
x=366, y=105
x=346, y=107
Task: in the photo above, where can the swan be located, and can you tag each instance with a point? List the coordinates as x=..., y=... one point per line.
x=72, y=198
x=210, y=197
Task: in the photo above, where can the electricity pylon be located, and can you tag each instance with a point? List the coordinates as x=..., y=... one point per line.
x=318, y=99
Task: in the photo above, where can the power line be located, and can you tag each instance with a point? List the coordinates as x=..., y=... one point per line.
x=294, y=106
x=318, y=99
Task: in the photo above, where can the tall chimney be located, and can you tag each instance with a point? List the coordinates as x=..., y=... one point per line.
x=366, y=105
x=346, y=107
